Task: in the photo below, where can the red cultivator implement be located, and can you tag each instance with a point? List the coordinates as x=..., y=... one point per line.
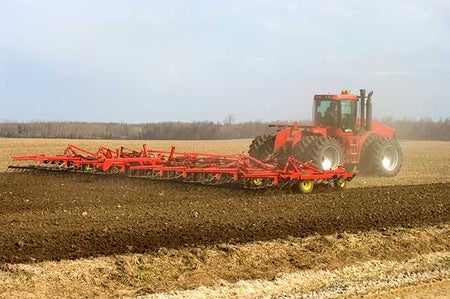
x=210, y=169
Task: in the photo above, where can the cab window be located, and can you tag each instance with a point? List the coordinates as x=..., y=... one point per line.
x=341, y=114
x=348, y=115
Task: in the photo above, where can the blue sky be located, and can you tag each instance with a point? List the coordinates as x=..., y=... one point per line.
x=151, y=61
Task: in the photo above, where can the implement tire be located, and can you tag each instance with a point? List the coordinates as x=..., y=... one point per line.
x=305, y=186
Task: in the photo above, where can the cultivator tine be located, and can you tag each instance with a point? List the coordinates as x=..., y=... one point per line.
x=17, y=168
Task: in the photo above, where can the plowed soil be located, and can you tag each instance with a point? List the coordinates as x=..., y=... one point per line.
x=54, y=216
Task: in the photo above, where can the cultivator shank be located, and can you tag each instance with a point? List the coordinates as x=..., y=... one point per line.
x=209, y=169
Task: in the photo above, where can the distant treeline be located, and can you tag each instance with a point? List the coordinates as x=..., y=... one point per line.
x=424, y=129
x=150, y=131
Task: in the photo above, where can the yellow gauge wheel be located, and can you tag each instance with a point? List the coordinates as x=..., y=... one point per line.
x=306, y=186
x=341, y=183
x=257, y=182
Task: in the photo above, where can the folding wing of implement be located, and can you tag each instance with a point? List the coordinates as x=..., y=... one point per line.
x=209, y=169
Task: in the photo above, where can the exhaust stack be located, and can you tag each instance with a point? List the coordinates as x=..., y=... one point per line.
x=369, y=111
x=362, y=97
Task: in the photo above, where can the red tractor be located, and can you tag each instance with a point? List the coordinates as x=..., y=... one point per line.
x=339, y=136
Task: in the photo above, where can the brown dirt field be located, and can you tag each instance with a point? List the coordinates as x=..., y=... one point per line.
x=53, y=217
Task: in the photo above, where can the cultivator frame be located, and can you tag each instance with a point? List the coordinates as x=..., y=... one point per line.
x=209, y=169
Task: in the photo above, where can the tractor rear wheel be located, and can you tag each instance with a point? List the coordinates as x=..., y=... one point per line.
x=384, y=157
x=284, y=152
x=262, y=147
x=301, y=147
x=325, y=153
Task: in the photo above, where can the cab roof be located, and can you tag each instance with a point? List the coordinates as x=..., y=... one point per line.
x=344, y=95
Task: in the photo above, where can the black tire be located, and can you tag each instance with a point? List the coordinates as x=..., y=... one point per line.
x=325, y=153
x=384, y=157
x=365, y=166
x=298, y=150
x=301, y=147
x=340, y=183
x=262, y=147
x=282, y=154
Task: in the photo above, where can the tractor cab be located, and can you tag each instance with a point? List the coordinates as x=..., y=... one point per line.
x=337, y=111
